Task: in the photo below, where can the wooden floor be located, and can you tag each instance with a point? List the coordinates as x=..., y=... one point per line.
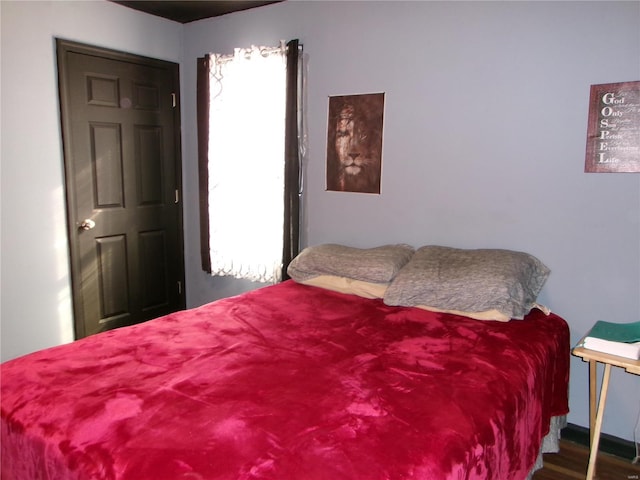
x=572, y=460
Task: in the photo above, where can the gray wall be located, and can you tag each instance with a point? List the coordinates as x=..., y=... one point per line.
x=485, y=121
x=484, y=143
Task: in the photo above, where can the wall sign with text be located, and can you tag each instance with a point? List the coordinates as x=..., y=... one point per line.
x=613, y=132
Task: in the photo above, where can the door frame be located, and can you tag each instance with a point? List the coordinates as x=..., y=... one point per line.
x=63, y=47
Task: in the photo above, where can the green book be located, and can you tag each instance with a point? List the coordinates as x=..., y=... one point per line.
x=616, y=332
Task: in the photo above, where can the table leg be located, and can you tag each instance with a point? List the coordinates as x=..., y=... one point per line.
x=591, y=470
x=593, y=399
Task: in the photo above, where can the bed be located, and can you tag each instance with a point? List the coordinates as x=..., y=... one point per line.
x=298, y=380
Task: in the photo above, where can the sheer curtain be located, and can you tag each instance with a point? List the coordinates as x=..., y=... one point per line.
x=243, y=161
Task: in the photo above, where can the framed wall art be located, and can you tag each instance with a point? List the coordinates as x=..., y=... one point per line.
x=613, y=132
x=354, y=143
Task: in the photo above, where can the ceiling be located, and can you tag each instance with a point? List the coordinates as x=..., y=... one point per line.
x=185, y=11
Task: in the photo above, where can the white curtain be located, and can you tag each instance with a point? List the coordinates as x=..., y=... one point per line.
x=246, y=163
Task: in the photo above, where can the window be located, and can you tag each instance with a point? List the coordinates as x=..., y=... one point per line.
x=249, y=162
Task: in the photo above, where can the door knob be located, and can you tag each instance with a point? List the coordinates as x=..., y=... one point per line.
x=87, y=224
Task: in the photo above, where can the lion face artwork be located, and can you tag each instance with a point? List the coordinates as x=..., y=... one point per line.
x=354, y=144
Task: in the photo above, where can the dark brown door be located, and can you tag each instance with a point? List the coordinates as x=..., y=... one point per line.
x=120, y=126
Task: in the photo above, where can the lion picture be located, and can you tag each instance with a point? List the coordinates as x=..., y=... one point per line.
x=354, y=143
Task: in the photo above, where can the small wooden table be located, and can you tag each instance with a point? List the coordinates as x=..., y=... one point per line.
x=595, y=419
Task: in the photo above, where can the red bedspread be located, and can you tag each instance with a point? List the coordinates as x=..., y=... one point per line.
x=289, y=382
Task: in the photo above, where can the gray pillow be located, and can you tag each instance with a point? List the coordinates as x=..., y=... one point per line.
x=469, y=280
x=377, y=265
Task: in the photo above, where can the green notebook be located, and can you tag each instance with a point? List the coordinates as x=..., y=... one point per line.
x=616, y=332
